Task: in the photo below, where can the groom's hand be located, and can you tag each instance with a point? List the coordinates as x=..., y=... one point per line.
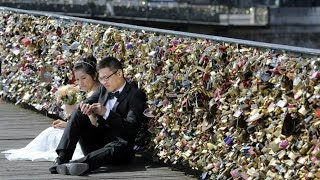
x=99, y=109
x=86, y=109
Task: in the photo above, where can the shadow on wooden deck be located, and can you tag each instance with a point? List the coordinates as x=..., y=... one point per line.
x=18, y=126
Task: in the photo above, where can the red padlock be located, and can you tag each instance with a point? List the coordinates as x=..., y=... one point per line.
x=26, y=41
x=318, y=112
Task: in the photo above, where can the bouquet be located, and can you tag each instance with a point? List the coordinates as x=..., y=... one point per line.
x=67, y=94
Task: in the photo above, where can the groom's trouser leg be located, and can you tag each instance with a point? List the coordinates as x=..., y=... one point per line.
x=115, y=152
x=78, y=127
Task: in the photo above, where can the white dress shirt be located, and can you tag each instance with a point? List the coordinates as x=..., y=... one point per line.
x=110, y=103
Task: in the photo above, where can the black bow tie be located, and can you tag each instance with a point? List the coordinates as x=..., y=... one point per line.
x=114, y=94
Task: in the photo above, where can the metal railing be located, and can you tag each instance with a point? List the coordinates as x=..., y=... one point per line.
x=178, y=33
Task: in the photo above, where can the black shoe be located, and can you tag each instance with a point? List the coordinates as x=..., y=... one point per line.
x=57, y=161
x=74, y=169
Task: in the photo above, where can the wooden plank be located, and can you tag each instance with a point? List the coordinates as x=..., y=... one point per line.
x=19, y=126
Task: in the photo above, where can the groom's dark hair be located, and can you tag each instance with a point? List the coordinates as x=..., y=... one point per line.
x=109, y=62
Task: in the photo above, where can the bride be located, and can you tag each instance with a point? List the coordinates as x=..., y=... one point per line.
x=44, y=145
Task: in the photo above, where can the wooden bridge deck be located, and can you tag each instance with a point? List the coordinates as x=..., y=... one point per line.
x=18, y=126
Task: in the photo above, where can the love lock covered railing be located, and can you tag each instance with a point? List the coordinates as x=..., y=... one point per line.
x=224, y=106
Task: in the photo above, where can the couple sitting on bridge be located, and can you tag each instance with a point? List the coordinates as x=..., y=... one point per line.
x=105, y=124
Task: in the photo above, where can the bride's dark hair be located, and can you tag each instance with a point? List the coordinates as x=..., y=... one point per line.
x=88, y=65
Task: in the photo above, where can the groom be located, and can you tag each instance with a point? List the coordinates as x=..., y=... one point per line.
x=105, y=124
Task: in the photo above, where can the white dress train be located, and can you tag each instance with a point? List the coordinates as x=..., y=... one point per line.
x=42, y=148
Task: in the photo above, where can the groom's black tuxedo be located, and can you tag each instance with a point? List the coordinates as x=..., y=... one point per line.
x=112, y=140
x=126, y=115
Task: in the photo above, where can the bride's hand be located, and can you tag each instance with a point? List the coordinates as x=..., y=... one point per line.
x=85, y=108
x=59, y=124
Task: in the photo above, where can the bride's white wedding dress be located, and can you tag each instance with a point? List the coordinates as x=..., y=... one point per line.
x=42, y=148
